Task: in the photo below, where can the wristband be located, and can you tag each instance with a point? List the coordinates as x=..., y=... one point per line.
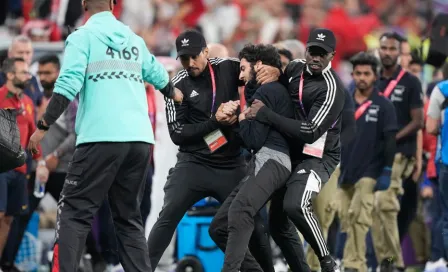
x=41, y=126
x=41, y=163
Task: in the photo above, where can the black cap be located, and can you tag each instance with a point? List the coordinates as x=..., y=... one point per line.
x=323, y=38
x=190, y=42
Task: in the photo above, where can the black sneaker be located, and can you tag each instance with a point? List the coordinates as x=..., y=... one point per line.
x=328, y=264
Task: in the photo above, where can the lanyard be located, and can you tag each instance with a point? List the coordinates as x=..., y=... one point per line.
x=212, y=75
x=388, y=91
x=362, y=109
x=300, y=94
x=301, y=103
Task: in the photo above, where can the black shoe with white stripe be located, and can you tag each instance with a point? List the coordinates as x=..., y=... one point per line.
x=328, y=264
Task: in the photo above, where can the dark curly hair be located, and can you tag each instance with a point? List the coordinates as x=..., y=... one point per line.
x=363, y=58
x=265, y=53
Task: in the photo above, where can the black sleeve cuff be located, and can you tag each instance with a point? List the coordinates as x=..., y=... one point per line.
x=214, y=122
x=58, y=104
x=168, y=90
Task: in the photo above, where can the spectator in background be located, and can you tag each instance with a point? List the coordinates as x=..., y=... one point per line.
x=160, y=37
x=70, y=14
x=404, y=90
x=48, y=72
x=296, y=48
x=285, y=57
x=188, y=14
x=38, y=26
x=21, y=47
x=432, y=186
x=294, y=8
x=57, y=149
x=13, y=192
x=437, y=74
x=278, y=25
x=436, y=124
x=365, y=167
x=138, y=14
x=216, y=50
x=41, y=30
x=15, y=7
x=437, y=77
x=405, y=54
x=213, y=24
x=415, y=66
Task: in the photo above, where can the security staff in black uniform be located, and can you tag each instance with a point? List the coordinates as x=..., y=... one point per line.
x=405, y=92
x=318, y=96
x=366, y=161
x=210, y=161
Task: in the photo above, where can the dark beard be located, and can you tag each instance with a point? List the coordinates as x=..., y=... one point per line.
x=388, y=66
x=48, y=85
x=48, y=88
x=21, y=84
x=366, y=89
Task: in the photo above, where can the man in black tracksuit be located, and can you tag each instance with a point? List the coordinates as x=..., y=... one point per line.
x=210, y=161
x=270, y=166
x=318, y=96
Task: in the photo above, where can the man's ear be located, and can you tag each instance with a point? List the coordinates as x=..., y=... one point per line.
x=206, y=51
x=10, y=76
x=258, y=64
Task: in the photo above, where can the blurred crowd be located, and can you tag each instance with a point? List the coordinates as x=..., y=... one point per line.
x=356, y=23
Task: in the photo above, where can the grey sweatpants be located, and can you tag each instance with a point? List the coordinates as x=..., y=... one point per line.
x=235, y=219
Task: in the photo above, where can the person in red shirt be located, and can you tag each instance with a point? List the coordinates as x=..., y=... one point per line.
x=13, y=184
x=145, y=206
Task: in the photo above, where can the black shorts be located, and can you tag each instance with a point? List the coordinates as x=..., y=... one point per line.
x=13, y=193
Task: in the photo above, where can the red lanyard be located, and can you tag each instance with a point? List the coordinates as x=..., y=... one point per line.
x=387, y=92
x=300, y=94
x=362, y=109
x=212, y=75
